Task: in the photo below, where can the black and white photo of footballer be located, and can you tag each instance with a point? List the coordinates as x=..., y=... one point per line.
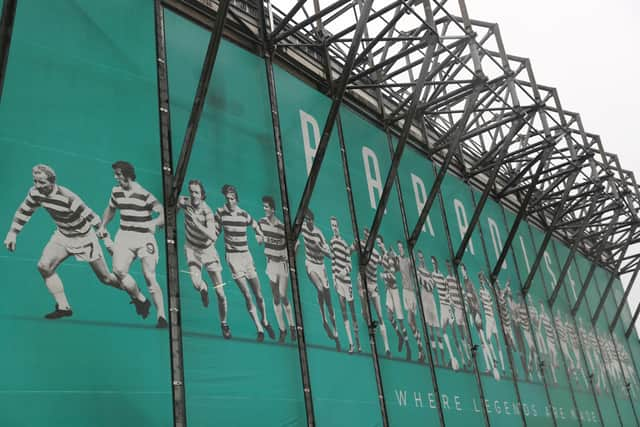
x=446, y=316
x=75, y=234
x=525, y=340
x=490, y=326
x=275, y=251
x=503, y=300
x=315, y=249
x=457, y=317
x=233, y=221
x=135, y=237
x=392, y=295
x=199, y=247
x=599, y=373
x=427, y=286
x=551, y=349
x=371, y=283
x=474, y=304
x=574, y=340
x=586, y=347
x=341, y=272
x=409, y=299
x=535, y=331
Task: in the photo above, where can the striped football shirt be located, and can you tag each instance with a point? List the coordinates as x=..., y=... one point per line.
x=340, y=259
x=204, y=215
x=548, y=328
x=314, y=242
x=487, y=301
x=136, y=206
x=503, y=311
x=443, y=289
x=404, y=265
x=424, y=279
x=234, y=224
x=275, y=241
x=390, y=266
x=70, y=214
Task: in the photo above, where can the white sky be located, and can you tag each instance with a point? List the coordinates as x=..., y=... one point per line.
x=588, y=50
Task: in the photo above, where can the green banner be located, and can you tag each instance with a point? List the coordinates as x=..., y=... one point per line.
x=237, y=311
x=80, y=94
x=342, y=373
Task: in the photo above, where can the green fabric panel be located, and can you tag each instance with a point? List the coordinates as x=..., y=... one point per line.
x=80, y=93
x=343, y=386
x=234, y=145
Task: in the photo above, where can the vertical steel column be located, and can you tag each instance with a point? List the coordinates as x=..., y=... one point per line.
x=582, y=352
x=6, y=31
x=492, y=283
x=170, y=212
x=544, y=289
x=633, y=322
x=198, y=101
x=572, y=251
x=535, y=342
x=473, y=347
x=337, y=97
x=284, y=196
x=624, y=298
x=366, y=309
x=611, y=280
x=442, y=172
x=624, y=377
x=488, y=186
x=600, y=350
x=363, y=278
x=549, y=234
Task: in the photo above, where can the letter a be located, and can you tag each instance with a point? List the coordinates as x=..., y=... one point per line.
x=463, y=224
x=420, y=194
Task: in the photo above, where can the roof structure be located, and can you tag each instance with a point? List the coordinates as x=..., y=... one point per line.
x=443, y=82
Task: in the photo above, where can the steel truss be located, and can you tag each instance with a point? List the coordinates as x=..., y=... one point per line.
x=431, y=76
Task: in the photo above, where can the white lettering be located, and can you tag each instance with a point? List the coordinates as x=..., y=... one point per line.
x=547, y=261
x=401, y=395
x=420, y=194
x=372, y=172
x=432, y=400
x=463, y=224
x=310, y=146
x=418, y=399
x=525, y=256
x=445, y=401
x=497, y=240
x=458, y=403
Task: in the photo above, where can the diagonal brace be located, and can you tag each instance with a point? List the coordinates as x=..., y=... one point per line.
x=338, y=95
x=198, y=101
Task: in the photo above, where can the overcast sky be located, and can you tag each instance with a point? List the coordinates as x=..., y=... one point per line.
x=589, y=51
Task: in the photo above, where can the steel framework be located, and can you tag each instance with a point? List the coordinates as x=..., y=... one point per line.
x=433, y=77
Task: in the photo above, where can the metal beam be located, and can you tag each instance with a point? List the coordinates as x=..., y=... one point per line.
x=583, y=289
x=198, y=101
x=515, y=128
x=337, y=96
x=397, y=155
x=604, y=295
x=284, y=197
x=624, y=299
x=572, y=252
x=6, y=31
x=170, y=218
x=548, y=235
x=633, y=321
x=458, y=128
x=283, y=35
x=521, y=214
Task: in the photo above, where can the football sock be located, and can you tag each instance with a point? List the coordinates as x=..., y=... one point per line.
x=277, y=308
x=222, y=306
x=132, y=289
x=347, y=327
x=54, y=284
x=289, y=313
x=157, y=298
